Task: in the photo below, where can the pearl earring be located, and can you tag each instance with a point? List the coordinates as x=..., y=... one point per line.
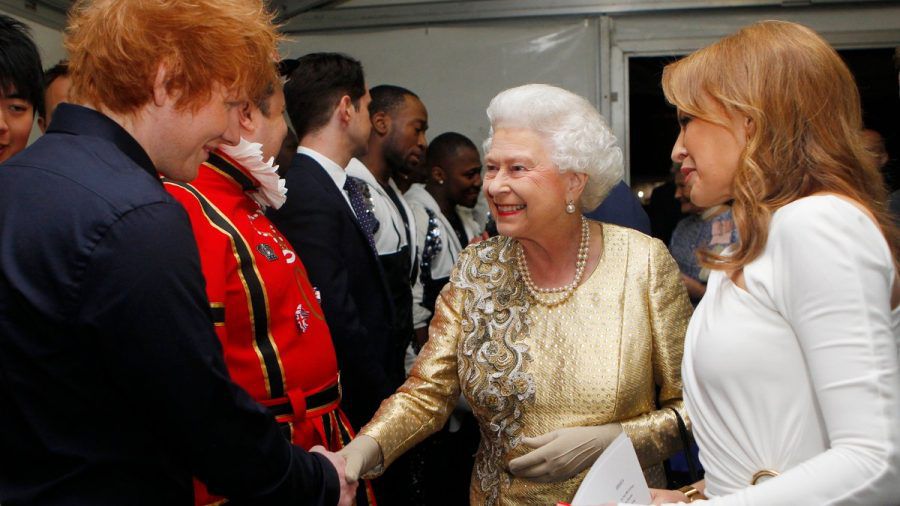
x=570, y=207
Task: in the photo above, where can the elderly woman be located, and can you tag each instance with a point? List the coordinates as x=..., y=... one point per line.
x=559, y=332
x=790, y=366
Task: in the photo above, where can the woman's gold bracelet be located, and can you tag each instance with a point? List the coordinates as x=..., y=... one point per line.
x=691, y=493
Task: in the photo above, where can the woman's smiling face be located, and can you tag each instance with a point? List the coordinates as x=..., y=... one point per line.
x=525, y=190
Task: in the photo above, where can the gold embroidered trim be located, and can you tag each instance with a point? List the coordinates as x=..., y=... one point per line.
x=493, y=358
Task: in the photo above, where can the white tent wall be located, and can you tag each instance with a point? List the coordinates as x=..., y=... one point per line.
x=456, y=70
x=457, y=54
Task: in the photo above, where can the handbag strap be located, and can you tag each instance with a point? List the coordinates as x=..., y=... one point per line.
x=686, y=440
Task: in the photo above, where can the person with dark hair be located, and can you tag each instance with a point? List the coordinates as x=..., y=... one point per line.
x=276, y=342
x=311, y=99
x=399, y=121
x=442, y=232
x=56, y=90
x=21, y=94
x=326, y=221
x=287, y=151
x=114, y=386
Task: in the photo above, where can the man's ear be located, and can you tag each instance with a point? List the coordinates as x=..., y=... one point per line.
x=343, y=110
x=381, y=123
x=160, y=82
x=42, y=124
x=246, y=117
x=438, y=174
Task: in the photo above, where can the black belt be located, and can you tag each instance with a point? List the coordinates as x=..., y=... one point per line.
x=321, y=402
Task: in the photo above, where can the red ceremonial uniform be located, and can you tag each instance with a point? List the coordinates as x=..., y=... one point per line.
x=267, y=315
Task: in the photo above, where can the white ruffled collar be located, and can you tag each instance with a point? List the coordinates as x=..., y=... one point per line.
x=271, y=191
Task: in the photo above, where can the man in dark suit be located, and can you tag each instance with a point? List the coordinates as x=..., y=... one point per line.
x=113, y=387
x=326, y=220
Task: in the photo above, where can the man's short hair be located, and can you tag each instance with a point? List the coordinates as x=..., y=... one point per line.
x=447, y=146
x=20, y=63
x=387, y=98
x=115, y=48
x=61, y=69
x=316, y=85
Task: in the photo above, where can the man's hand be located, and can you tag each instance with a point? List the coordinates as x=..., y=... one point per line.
x=348, y=487
x=563, y=453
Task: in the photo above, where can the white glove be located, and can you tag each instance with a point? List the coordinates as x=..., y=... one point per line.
x=348, y=486
x=363, y=455
x=563, y=453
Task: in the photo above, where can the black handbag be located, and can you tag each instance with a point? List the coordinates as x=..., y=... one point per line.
x=675, y=478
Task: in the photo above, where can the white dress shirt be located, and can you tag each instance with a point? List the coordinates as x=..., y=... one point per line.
x=334, y=170
x=391, y=234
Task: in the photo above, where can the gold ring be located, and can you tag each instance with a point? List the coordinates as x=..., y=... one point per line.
x=765, y=473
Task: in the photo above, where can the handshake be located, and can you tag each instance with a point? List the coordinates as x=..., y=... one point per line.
x=361, y=456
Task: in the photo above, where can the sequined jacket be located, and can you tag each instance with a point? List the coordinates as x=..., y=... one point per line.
x=527, y=369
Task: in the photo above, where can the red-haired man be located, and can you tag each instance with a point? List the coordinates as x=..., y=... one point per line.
x=267, y=313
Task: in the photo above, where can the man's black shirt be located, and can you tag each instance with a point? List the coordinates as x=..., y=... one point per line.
x=113, y=389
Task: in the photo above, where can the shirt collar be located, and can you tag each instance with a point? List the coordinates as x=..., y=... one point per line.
x=79, y=120
x=333, y=169
x=359, y=170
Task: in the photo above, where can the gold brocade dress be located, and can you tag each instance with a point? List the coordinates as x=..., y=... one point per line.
x=527, y=369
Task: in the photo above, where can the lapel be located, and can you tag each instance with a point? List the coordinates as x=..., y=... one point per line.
x=317, y=172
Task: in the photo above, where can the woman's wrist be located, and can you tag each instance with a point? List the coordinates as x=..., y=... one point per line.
x=692, y=493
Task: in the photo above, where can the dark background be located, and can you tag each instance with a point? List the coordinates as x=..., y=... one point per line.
x=654, y=129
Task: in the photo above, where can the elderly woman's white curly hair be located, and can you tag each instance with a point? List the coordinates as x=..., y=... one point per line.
x=578, y=137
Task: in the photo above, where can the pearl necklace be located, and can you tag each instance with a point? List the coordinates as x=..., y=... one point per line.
x=560, y=294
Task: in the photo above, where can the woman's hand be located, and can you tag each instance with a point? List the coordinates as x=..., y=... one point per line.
x=663, y=496
x=563, y=453
x=347, y=484
x=363, y=454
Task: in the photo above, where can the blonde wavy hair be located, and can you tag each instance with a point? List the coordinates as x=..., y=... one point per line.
x=806, y=126
x=116, y=46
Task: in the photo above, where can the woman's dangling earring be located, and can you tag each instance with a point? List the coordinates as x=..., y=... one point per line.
x=570, y=207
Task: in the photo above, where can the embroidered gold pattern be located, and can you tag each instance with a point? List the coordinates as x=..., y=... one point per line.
x=492, y=358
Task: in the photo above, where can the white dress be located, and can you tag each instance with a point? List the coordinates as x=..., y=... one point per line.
x=799, y=372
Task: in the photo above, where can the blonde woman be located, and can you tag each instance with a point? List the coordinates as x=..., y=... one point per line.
x=790, y=365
